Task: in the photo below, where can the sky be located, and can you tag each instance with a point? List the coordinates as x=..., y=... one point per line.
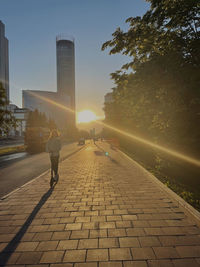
x=31, y=27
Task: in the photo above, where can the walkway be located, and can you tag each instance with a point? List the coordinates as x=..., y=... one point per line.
x=103, y=212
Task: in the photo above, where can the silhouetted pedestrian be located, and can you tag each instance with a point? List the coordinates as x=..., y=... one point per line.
x=53, y=147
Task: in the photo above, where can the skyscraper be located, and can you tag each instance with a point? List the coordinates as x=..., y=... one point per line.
x=65, y=95
x=66, y=71
x=4, y=62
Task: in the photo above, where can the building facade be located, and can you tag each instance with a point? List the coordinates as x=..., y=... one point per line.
x=65, y=57
x=4, y=60
x=59, y=105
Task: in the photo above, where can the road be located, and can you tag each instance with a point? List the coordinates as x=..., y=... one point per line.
x=18, y=169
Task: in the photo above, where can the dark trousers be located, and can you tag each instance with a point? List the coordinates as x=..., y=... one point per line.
x=54, y=164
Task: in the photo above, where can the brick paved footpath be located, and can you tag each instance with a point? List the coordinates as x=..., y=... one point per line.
x=103, y=212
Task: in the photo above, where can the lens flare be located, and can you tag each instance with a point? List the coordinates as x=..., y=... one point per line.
x=137, y=138
x=85, y=116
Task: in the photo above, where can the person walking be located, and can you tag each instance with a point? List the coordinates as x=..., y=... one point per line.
x=53, y=147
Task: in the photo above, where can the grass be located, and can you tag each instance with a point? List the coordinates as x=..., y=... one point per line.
x=11, y=150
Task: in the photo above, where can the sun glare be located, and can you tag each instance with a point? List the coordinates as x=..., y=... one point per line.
x=86, y=116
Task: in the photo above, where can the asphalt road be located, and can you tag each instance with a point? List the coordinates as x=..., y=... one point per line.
x=20, y=168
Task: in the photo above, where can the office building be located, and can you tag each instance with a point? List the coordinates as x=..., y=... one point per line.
x=65, y=95
x=4, y=60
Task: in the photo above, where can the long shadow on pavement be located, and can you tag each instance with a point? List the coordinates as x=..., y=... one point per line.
x=12, y=245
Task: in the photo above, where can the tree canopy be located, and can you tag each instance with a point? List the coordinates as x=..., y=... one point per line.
x=7, y=119
x=38, y=119
x=160, y=95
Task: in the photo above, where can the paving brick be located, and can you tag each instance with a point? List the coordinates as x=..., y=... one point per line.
x=88, y=243
x=29, y=258
x=26, y=246
x=52, y=257
x=56, y=227
x=106, y=212
x=123, y=224
x=149, y=241
x=120, y=212
x=98, y=233
x=67, y=220
x=47, y=245
x=169, y=240
x=113, y=218
x=188, y=251
x=37, y=265
x=38, y=228
x=110, y=264
x=142, y=253
x=90, y=225
x=79, y=234
x=154, y=231
x=92, y=213
x=112, y=207
x=104, y=225
x=98, y=207
x=160, y=263
x=135, y=264
x=75, y=255
x=185, y=263
x=2, y=246
x=135, y=232
x=9, y=258
x=67, y=244
x=116, y=232
x=73, y=226
x=97, y=255
x=57, y=265
x=27, y=237
x=51, y=221
x=129, y=217
x=158, y=223
x=108, y=243
x=129, y=242
x=47, y=215
x=120, y=254
x=63, y=235
x=77, y=213
x=88, y=264
x=98, y=218
x=82, y=219
x=6, y=237
x=165, y=252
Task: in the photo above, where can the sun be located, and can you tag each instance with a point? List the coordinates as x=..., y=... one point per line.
x=86, y=116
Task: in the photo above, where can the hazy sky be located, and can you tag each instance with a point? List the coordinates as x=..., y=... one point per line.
x=32, y=26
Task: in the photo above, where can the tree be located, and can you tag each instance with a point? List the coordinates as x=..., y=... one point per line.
x=38, y=119
x=7, y=120
x=160, y=98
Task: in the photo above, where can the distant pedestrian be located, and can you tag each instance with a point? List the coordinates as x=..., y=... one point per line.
x=53, y=147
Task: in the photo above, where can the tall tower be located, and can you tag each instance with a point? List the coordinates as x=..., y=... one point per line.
x=66, y=72
x=4, y=67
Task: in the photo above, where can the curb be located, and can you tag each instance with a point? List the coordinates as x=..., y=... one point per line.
x=189, y=210
x=39, y=176
x=17, y=189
